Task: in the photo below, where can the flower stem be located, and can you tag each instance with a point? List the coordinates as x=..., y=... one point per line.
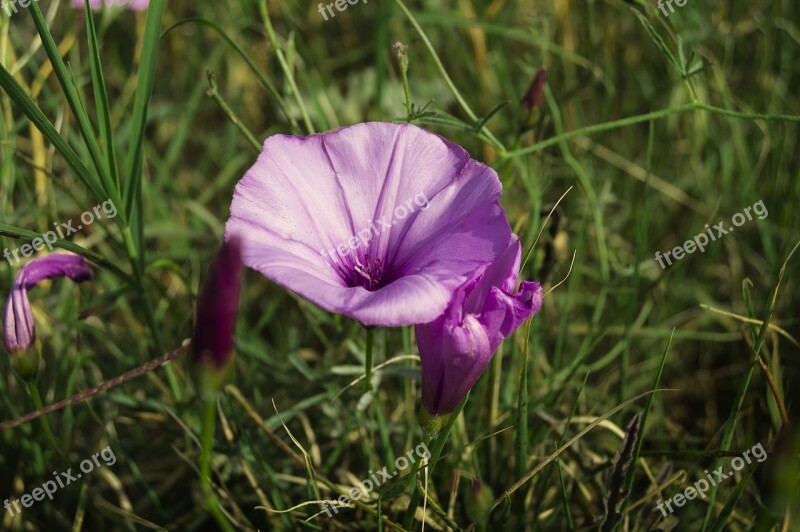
x=213, y=93
x=368, y=359
x=628, y=121
x=207, y=442
x=262, y=5
x=138, y=277
x=522, y=409
x=436, y=452
x=449, y=82
x=37, y=404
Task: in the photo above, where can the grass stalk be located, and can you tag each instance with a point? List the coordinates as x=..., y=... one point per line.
x=207, y=443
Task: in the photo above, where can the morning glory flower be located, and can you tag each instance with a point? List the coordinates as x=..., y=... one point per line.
x=133, y=5
x=381, y=222
x=457, y=347
x=18, y=325
x=212, y=345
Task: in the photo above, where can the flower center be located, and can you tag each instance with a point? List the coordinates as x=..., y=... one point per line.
x=367, y=274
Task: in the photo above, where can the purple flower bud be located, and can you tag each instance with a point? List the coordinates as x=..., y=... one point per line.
x=533, y=98
x=456, y=347
x=217, y=306
x=18, y=325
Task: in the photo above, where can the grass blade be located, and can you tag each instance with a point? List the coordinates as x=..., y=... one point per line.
x=102, y=105
x=24, y=234
x=265, y=82
x=530, y=474
x=73, y=98
x=37, y=117
x=144, y=89
x=722, y=518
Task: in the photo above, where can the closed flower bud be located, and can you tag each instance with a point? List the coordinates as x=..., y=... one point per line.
x=532, y=101
x=212, y=346
x=457, y=347
x=479, y=500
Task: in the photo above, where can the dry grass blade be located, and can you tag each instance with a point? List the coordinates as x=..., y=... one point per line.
x=521, y=482
x=754, y=321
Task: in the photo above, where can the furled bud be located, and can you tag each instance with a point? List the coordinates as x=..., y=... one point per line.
x=212, y=346
x=532, y=101
x=479, y=501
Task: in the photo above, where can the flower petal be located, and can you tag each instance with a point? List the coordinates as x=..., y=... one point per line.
x=455, y=357
x=18, y=324
x=427, y=212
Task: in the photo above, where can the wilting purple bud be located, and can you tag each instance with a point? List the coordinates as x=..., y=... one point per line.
x=217, y=306
x=18, y=325
x=456, y=347
x=533, y=98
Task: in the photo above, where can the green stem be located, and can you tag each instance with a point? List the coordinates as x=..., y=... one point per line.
x=213, y=92
x=522, y=421
x=522, y=409
x=38, y=405
x=207, y=442
x=262, y=5
x=449, y=82
x=436, y=453
x=138, y=277
x=265, y=82
x=407, y=91
x=614, y=124
x=368, y=359
x=401, y=52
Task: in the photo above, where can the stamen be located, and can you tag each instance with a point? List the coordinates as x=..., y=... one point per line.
x=368, y=274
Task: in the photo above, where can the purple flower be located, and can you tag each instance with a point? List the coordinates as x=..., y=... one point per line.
x=217, y=308
x=380, y=222
x=18, y=325
x=133, y=5
x=456, y=347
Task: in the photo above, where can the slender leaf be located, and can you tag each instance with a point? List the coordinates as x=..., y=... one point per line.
x=73, y=98
x=144, y=90
x=37, y=117
x=24, y=234
x=103, y=107
x=733, y=498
